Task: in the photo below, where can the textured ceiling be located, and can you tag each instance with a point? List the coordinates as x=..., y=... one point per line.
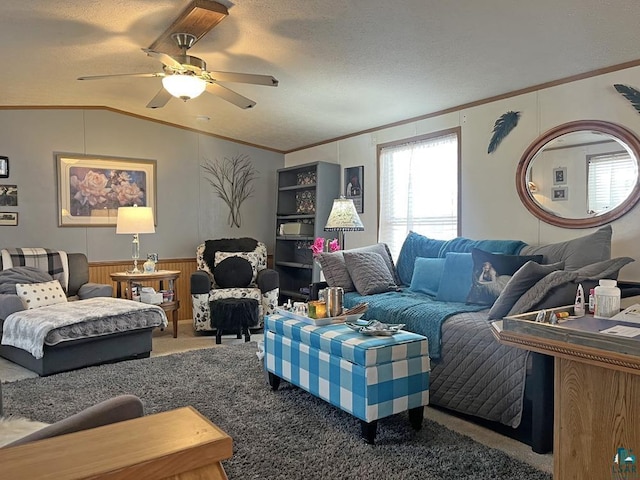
x=344, y=66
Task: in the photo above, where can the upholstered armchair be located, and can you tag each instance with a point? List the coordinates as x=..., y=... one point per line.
x=232, y=268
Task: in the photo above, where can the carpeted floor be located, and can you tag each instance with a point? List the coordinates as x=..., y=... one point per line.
x=287, y=434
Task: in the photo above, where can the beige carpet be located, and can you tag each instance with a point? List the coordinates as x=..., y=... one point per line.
x=165, y=344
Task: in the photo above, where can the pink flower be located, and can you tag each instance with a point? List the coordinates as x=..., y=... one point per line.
x=318, y=246
x=334, y=246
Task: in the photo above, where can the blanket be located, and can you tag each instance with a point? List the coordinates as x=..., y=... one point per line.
x=54, y=262
x=419, y=313
x=11, y=276
x=31, y=329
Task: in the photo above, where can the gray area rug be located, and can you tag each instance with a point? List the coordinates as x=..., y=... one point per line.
x=288, y=434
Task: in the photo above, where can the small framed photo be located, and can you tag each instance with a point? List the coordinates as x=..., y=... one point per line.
x=9, y=218
x=560, y=176
x=8, y=195
x=4, y=167
x=560, y=194
x=353, y=189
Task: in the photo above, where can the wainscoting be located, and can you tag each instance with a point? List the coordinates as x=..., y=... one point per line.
x=99, y=273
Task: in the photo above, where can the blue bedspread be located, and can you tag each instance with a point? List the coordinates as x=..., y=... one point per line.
x=420, y=313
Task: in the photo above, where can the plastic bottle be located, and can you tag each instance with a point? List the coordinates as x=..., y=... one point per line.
x=607, y=299
x=592, y=300
x=578, y=306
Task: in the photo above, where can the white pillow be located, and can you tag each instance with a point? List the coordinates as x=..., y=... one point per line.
x=34, y=295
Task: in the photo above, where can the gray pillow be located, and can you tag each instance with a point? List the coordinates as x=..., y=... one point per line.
x=578, y=252
x=335, y=271
x=521, y=281
x=559, y=287
x=369, y=272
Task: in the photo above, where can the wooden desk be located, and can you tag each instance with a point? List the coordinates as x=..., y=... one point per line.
x=161, y=276
x=596, y=398
x=179, y=444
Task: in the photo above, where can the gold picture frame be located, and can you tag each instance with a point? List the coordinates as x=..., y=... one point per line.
x=92, y=187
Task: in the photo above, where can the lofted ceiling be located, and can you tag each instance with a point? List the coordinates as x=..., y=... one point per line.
x=344, y=66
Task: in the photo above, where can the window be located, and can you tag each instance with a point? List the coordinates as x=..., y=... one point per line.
x=611, y=178
x=419, y=185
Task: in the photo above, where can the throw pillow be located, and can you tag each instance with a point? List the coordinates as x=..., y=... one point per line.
x=35, y=295
x=521, y=281
x=456, y=278
x=252, y=257
x=369, y=272
x=491, y=272
x=578, y=252
x=414, y=246
x=335, y=270
x=427, y=273
x=233, y=272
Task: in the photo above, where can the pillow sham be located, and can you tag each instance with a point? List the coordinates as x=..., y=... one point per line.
x=521, y=281
x=427, y=273
x=335, y=270
x=35, y=295
x=559, y=288
x=415, y=245
x=456, y=278
x=578, y=252
x=251, y=257
x=369, y=272
x=492, y=272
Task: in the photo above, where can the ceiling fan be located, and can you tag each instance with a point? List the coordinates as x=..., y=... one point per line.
x=184, y=76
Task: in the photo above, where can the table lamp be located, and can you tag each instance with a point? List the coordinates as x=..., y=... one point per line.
x=343, y=218
x=133, y=221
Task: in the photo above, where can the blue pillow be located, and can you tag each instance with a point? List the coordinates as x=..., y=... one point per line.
x=427, y=273
x=414, y=246
x=456, y=280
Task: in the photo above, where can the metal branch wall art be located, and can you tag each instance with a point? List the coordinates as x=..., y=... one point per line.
x=503, y=126
x=630, y=94
x=232, y=179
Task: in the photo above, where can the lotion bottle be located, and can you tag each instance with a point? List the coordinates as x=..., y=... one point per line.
x=578, y=307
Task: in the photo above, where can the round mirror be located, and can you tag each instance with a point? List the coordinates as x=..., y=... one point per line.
x=580, y=174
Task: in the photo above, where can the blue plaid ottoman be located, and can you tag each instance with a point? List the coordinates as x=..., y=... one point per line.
x=369, y=377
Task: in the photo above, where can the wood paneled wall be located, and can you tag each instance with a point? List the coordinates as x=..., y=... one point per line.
x=99, y=273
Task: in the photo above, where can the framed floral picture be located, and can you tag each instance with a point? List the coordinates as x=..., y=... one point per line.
x=91, y=188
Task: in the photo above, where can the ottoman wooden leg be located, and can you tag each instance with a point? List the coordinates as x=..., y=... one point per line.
x=274, y=381
x=415, y=417
x=369, y=431
x=218, y=336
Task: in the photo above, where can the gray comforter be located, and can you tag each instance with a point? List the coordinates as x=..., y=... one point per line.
x=476, y=375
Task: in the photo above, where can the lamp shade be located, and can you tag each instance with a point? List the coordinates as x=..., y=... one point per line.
x=185, y=87
x=132, y=220
x=343, y=217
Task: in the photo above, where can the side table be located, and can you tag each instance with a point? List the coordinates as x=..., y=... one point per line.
x=166, y=278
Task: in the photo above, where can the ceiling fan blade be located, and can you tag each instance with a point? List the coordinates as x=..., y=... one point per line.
x=138, y=75
x=267, y=80
x=160, y=100
x=167, y=60
x=230, y=95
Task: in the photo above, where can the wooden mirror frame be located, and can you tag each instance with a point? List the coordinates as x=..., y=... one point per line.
x=617, y=131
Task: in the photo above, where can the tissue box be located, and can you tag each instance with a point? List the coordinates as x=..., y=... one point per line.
x=152, y=298
x=297, y=228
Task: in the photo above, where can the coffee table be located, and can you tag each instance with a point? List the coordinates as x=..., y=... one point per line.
x=370, y=377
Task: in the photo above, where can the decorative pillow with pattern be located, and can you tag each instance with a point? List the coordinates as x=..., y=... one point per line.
x=369, y=272
x=254, y=258
x=35, y=295
x=492, y=272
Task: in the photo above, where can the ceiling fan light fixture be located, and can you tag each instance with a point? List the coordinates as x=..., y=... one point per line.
x=184, y=87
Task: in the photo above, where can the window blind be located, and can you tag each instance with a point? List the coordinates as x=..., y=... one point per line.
x=611, y=177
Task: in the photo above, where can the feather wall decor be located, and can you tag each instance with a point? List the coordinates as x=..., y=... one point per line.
x=630, y=94
x=503, y=126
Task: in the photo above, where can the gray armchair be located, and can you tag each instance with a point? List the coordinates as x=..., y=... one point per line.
x=222, y=275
